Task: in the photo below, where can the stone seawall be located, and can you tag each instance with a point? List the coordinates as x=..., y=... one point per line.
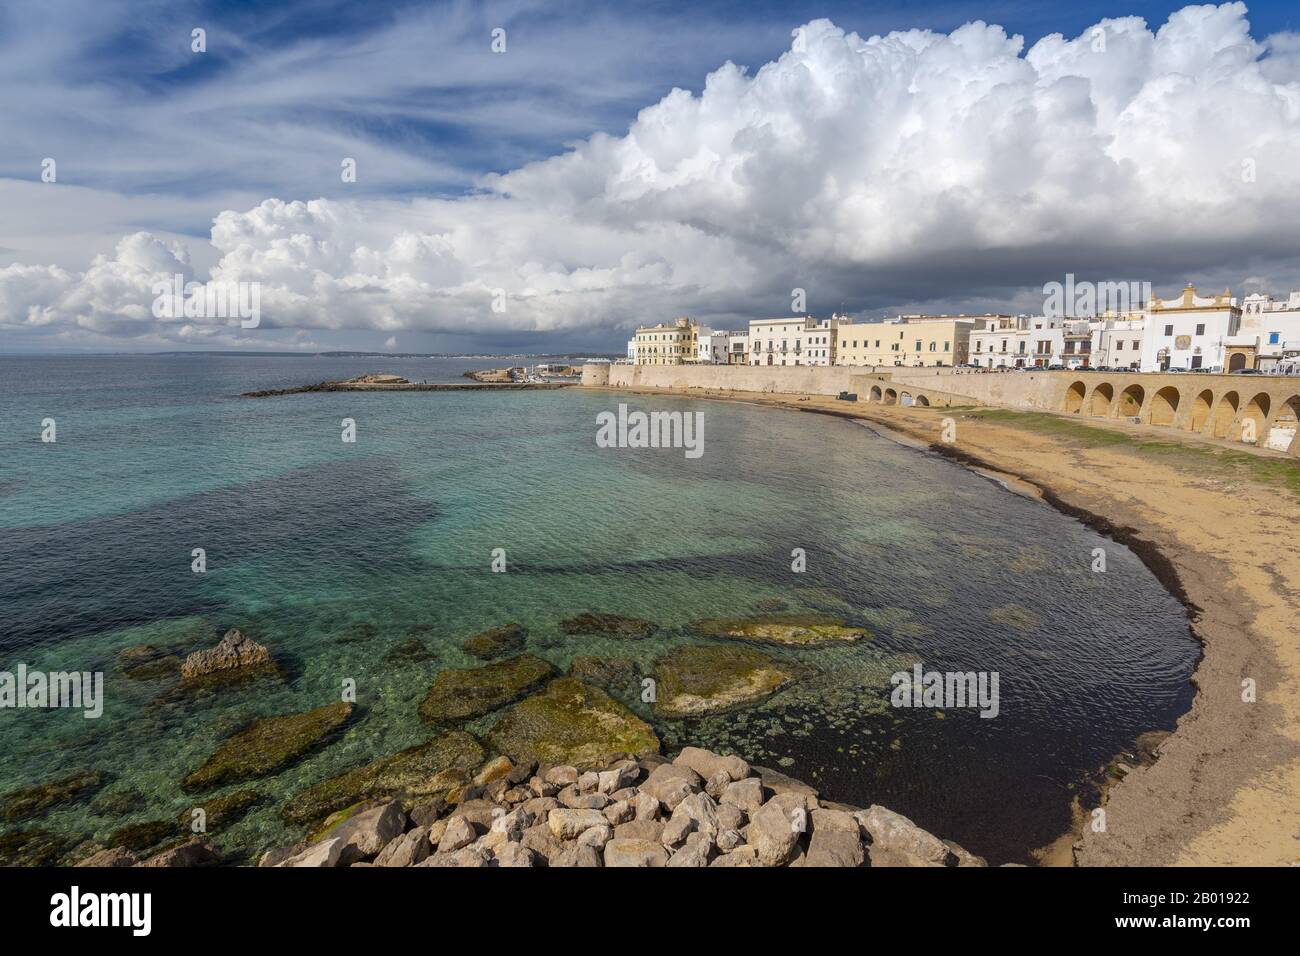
x=1263, y=411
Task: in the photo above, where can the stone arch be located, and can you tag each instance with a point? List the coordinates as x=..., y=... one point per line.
x=1288, y=417
x=1164, y=405
x=1102, y=396
x=1237, y=362
x=922, y=401
x=1224, y=414
x=1130, y=401
x=1074, y=398
x=876, y=394
x=1256, y=411
x=905, y=399
x=1200, y=413
x=891, y=396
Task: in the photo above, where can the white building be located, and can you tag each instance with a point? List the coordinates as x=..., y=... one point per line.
x=1118, y=341
x=797, y=340
x=1020, y=341
x=738, y=348
x=712, y=347
x=1275, y=328
x=631, y=349
x=1191, y=331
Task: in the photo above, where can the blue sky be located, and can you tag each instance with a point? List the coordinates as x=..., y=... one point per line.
x=149, y=137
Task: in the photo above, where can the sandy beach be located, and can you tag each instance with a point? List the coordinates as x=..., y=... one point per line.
x=1217, y=524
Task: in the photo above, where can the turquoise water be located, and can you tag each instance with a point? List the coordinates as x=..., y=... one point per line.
x=332, y=553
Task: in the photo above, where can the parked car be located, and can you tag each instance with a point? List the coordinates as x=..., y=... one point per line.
x=1245, y=371
x=1172, y=369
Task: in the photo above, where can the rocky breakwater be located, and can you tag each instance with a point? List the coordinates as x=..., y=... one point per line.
x=698, y=809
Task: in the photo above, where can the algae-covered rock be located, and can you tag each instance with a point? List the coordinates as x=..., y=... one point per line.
x=147, y=662
x=219, y=811
x=704, y=680
x=617, y=675
x=31, y=801
x=614, y=625
x=457, y=695
x=34, y=847
x=1016, y=617
x=497, y=642
x=430, y=768
x=267, y=746
x=118, y=803
x=143, y=836
x=793, y=630
x=573, y=724
x=410, y=651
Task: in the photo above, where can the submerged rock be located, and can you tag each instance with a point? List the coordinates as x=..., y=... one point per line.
x=234, y=652
x=31, y=801
x=220, y=811
x=118, y=803
x=34, y=847
x=571, y=723
x=614, y=625
x=430, y=768
x=267, y=746
x=792, y=630
x=410, y=651
x=1016, y=617
x=496, y=642
x=147, y=662
x=616, y=675
x=460, y=694
x=704, y=680
x=143, y=836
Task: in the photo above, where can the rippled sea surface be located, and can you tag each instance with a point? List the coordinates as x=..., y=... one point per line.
x=332, y=553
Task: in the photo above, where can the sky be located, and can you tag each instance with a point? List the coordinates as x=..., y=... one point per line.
x=546, y=176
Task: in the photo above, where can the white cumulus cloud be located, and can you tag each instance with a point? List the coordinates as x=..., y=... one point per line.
x=911, y=167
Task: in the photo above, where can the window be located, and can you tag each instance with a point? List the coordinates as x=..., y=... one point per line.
x=918, y=345
x=1200, y=328
x=934, y=346
x=1136, y=345
x=1274, y=338
x=1169, y=330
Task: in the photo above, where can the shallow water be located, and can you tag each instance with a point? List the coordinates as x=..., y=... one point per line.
x=333, y=553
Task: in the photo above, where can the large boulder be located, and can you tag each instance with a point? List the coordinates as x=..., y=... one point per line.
x=112, y=857
x=612, y=625
x=836, y=840
x=569, y=824
x=267, y=746
x=636, y=853
x=496, y=642
x=669, y=784
x=571, y=723
x=406, y=850
x=365, y=831
x=791, y=630
x=459, y=694
x=706, y=763
x=32, y=801
x=425, y=770
x=193, y=853
x=776, y=827
x=232, y=652
x=696, y=680
x=897, y=841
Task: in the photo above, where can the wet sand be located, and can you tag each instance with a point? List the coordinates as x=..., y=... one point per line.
x=1225, y=789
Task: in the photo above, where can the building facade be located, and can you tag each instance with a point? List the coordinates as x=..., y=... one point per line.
x=1274, y=326
x=675, y=344
x=798, y=340
x=1192, y=331
x=911, y=341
